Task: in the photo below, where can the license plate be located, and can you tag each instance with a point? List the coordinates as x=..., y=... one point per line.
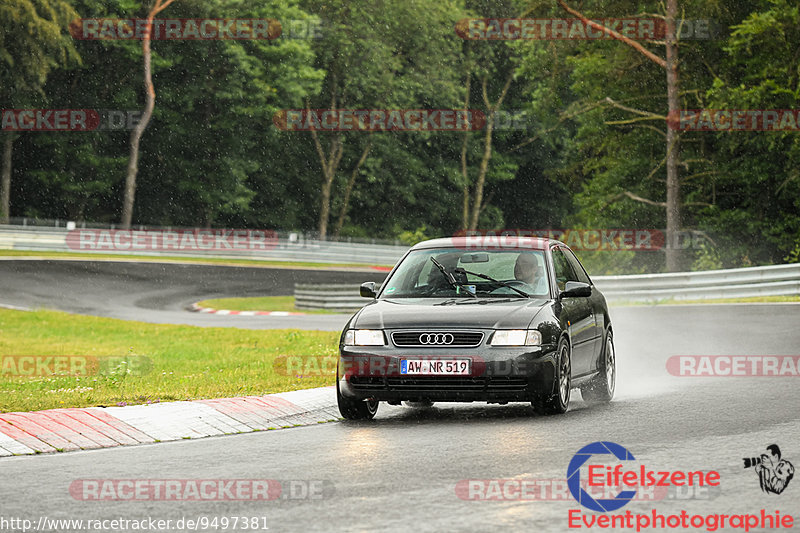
x=437, y=367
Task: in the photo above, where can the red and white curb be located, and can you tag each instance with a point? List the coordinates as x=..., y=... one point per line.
x=56, y=430
x=198, y=309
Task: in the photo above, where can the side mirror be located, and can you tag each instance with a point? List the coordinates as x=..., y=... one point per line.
x=368, y=290
x=576, y=289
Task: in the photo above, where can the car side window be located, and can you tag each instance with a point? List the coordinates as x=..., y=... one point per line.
x=562, y=269
x=580, y=272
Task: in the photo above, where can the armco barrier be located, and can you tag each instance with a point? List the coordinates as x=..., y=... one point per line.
x=329, y=297
x=288, y=247
x=777, y=280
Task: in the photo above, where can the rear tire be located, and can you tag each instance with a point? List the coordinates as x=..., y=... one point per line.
x=355, y=409
x=601, y=388
x=556, y=401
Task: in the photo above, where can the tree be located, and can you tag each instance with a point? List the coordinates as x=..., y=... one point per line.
x=377, y=56
x=150, y=101
x=33, y=42
x=755, y=214
x=487, y=68
x=670, y=65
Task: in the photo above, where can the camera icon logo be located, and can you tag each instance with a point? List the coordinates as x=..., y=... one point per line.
x=602, y=505
x=774, y=473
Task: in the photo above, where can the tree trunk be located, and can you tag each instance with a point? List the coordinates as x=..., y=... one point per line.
x=136, y=134
x=464, y=167
x=325, y=207
x=673, y=156
x=5, y=180
x=477, y=201
x=349, y=189
x=329, y=165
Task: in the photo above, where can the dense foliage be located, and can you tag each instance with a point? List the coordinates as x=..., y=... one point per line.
x=587, y=153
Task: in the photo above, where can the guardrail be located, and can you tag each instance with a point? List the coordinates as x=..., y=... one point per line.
x=329, y=297
x=774, y=280
x=287, y=246
x=777, y=280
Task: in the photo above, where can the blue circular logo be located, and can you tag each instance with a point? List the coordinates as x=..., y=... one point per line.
x=574, y=476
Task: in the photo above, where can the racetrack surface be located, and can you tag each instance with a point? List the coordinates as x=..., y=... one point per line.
x=399, y=472
x=162, y=292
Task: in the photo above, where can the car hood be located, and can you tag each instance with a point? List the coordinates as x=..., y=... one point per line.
x=488, y=313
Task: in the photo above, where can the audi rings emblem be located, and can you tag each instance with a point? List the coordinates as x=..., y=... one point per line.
x=436, y=338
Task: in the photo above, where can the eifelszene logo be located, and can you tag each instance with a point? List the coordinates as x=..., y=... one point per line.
x=602, y=475
x=774, y=473
x=626, y=479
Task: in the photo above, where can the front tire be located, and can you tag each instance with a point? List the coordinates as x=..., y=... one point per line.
x=556, y=401
x=601, y=388
x=355, y=409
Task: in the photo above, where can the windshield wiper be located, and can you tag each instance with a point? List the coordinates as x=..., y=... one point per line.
x=450, y=278
x=524, y=294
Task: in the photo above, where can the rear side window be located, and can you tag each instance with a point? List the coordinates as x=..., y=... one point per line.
x=577, y=267
x=563, y=270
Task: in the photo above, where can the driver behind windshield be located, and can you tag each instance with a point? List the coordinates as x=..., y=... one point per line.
x=528, y=270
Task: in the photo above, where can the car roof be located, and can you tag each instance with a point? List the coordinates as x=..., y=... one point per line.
x=488, y=242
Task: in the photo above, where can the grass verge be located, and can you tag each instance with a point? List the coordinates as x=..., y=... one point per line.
x=259, y=303
x=151, y=362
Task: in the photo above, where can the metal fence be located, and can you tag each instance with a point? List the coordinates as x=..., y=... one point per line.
x=286, y=246
x=778, y=280
x=328, y=297
x=775, y=280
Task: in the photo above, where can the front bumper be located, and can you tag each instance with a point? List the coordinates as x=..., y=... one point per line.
x=498, y=374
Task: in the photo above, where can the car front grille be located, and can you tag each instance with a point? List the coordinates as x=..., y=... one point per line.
x=437, y=339
x=425, y=384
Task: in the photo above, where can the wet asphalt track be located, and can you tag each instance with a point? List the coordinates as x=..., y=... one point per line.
x=161, y=292
x=399, y=471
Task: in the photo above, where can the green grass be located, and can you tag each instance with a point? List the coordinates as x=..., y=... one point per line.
x=264, y=303
x=178, y=259
x=184, y=362
x=754, y=299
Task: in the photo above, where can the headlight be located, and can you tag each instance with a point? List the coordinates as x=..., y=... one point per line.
x=516, y=337
x=364, y=337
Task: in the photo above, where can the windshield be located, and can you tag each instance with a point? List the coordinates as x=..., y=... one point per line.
x=418, y=277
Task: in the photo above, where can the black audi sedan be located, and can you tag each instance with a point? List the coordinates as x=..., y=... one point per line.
x=483, y=318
